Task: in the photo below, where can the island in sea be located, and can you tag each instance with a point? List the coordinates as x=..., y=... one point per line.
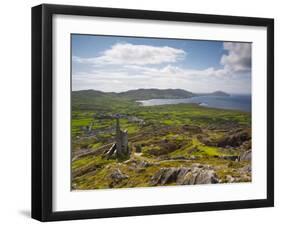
x=159, y=137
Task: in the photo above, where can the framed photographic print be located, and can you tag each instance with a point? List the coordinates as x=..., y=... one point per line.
x=145, y=112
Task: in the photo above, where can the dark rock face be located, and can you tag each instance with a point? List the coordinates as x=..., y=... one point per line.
x=185, y=176
x=192, y=129
x=246, y=156
x=207, y=141
x=234, y=139
x=230, y=157
x=247, y=145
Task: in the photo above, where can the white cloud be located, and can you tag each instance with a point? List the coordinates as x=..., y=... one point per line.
x=129, y=54
x=133, y=77
x=126, y=66
x=238, y=58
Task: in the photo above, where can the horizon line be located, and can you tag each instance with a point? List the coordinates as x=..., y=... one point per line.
x=160, y=89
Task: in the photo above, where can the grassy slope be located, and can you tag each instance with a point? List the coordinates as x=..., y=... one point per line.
x=162, y=122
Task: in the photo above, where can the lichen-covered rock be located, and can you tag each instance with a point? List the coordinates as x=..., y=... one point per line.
x=246, y=169
x=185, y=176
x=246, y=156
x=165, y=176
x=199, y=165
x=230, y=179
x=134, y=163
x=144, y=164
x=118, y=176
x=199, y=176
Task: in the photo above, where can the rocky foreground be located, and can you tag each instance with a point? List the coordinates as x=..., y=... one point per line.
x=186, y=155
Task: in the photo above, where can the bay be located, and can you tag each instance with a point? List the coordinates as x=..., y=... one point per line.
x=235, y=102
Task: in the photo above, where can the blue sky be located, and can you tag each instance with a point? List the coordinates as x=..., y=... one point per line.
x=115, y=64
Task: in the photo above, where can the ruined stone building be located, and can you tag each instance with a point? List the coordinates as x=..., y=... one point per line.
x=120, y=147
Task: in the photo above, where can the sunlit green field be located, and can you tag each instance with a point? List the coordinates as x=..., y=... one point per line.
x=161, y=140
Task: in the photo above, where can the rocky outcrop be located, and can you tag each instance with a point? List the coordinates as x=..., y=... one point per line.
x=165, y=176
x=229, y=157
x=185, y=176
x=201, y=176
x=242, y=178
x=117, y=176
x=192, y=129
x=206, y=140
x=246, y=169
x=234, y=139
x=144, y=164
x=134, y=163
x=230, y=179
x=246, y=156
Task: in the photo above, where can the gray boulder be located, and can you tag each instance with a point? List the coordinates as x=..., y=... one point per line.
x=165, y=176
x=185, y=176
x=230, y=179
x=199, y=176
x=118, y=176
x=144, y=164
x=246, y=156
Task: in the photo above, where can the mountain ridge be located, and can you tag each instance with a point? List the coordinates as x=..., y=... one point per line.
x=151, y=93
x=94, y=99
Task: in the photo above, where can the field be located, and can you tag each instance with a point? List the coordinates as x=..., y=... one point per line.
x=180, y=144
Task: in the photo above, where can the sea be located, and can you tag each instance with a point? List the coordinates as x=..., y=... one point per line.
x=239, y=102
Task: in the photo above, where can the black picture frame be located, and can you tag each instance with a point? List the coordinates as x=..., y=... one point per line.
x=42, y=111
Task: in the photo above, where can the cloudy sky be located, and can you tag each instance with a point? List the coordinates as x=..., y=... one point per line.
x=115, y=64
